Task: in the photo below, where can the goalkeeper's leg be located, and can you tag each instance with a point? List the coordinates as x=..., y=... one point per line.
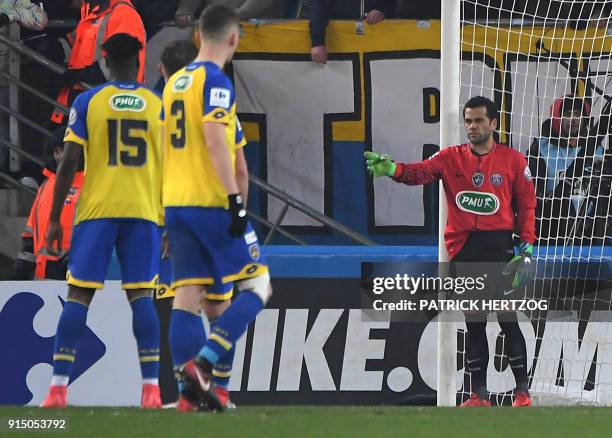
x=477, y=354
x=516, y=349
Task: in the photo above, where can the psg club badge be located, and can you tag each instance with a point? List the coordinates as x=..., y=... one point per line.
x=496, y=179
x=477, y=179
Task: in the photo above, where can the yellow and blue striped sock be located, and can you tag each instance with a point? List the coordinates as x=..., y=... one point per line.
x=69, y=330
x=145, y=325
x=223, y=368
x=186, y=336
x=231, y=325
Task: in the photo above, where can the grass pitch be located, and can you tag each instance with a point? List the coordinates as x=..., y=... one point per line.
x=324, y=421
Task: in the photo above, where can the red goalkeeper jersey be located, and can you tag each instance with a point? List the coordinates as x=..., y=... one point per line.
x=483, y=193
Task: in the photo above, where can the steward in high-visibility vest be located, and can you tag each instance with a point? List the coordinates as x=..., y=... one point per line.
x=34, y=261
x=100, y=19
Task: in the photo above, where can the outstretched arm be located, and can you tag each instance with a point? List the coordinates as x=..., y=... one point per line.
x=412, y=174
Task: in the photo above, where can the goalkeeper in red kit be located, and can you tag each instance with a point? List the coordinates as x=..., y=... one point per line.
x=490, y=194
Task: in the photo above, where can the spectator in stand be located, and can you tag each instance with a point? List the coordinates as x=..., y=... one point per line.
x=33, y=261
x=413, y=10
x=154, y=13
x=30, y=16
x=246, y=9
x=561, y=161
x=321, y=11
x=52, y=42
x=23, y=12
x=100, y=19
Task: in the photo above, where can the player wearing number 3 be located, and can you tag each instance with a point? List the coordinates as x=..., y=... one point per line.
x=116, y=126
x=490, y=194
x=205, y=184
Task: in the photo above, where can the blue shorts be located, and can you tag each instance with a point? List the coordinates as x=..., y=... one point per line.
x=136, y=242
x=216, y=292
x=166, y=278
x=203, y=252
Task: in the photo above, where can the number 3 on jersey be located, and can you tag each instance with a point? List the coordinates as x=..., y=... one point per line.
x=178, y=110
x=130, y=134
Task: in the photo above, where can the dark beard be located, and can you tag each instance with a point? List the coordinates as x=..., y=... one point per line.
x=481, y=140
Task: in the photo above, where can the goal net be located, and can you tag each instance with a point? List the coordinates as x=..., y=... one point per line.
x=547, y=65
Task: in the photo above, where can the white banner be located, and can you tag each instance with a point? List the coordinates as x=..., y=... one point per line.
x=29, y=315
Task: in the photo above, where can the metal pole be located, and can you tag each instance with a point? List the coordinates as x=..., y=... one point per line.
x=20, y=151
x=26, y=121
x=12, y=181
x=13, y=68
x=34, y=91
x=279, y=219
x=449, y=135
x=24, y=50
x=62, y=24
x=309, y=211
x=269, y=224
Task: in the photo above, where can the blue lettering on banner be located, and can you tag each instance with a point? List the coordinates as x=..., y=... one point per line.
x=26, y=349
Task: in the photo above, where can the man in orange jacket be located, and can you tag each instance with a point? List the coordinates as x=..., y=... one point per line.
x=100, y=19
x=33, y=260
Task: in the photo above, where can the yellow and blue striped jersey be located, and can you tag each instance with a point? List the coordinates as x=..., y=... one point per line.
x=198, y=93
x=118, y=126
x=240, y=141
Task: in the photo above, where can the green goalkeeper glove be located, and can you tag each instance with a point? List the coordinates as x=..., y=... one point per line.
x=520, y=266
x=379, y=164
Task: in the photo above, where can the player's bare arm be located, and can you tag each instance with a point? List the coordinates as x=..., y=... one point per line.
x=242, y=174
x=65, y=174
x=214, y=133
x=219, y=154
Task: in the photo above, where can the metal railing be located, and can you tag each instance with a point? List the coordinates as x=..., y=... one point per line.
x=18, y=185
x=273, y=227
x=292, y=202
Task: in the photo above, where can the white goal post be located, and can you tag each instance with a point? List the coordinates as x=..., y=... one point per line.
x=449, y=135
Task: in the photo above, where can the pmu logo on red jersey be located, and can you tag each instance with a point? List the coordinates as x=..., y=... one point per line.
x=481, y=203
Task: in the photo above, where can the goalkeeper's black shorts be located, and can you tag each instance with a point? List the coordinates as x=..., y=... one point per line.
x=484, y=255
x=486, y=246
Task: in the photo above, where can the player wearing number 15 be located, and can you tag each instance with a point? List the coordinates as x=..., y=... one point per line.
x=116, y=126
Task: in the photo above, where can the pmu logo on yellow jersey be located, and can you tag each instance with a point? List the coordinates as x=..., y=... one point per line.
x=127, y=102
x=182, y=83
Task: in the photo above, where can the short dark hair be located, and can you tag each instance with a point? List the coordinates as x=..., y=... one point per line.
x=480, y=101
x=215, y=21
x=177, y=55
x=121, y=49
